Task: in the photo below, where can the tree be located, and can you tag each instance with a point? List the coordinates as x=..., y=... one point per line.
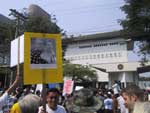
x=42, y=25
x=6, y=35
x=138, y=16
x=7, y=32
x=138, y=22
x=79, y=73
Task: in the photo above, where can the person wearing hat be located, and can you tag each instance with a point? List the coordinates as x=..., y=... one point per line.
x=84, y=101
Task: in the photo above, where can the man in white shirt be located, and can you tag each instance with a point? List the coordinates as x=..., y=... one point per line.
x=121, y=105
x=52, y=102
x=116, y=88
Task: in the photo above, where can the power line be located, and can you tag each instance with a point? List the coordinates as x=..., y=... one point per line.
x=84, y=11
x=18, y=16
x=80, y=12
x=95, y=30
x=87, y=7
x=99, y=27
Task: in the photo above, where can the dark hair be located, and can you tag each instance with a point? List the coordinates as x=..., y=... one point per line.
x=115, y=81
x=134, y=90
x=109, y=95
x=53, y=90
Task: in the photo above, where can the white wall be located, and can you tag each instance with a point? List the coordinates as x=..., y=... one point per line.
x=101, y=51
x=14, y=51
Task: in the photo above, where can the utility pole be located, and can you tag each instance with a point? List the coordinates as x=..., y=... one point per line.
x=19, y=17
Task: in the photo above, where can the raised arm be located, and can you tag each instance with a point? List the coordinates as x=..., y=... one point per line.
x=14, y=85
x=4, y=97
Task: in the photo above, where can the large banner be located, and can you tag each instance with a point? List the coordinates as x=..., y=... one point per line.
x=42, y=58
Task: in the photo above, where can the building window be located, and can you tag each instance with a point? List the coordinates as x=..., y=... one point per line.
x=119, y=54
x=106, y=56
x=85, y=46
x=98, y=56
x=90, y=56
x=111, y=55
x=1, y=60
x=86, y=57
x=78, y=57
x=115, y=54
x=94, y=56
x=102, y=55
x=122, y=43
x=71, y=58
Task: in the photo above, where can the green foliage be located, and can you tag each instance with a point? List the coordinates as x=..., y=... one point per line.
x=144, y=51
x=138, y=16
x=42, y=25
x=79, y=73
x=7, y=32
x=138, y=22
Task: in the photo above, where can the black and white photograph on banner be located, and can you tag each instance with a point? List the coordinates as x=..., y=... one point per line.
x=43, y=53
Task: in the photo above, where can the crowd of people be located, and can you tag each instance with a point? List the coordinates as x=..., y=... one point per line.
x=86, y=100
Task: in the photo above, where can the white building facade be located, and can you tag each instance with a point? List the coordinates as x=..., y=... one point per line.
x=106, y=51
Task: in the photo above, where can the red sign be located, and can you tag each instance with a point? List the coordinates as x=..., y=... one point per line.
x=68, y=87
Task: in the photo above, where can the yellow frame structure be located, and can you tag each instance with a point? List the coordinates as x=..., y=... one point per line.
x=36, y=76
